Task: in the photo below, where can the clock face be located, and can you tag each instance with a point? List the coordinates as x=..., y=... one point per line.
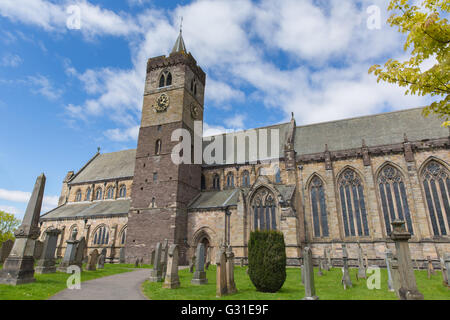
x=162, y=103
x=195, y=112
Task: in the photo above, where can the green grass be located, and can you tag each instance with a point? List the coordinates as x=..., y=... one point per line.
x=47, y=285
x=328, y=287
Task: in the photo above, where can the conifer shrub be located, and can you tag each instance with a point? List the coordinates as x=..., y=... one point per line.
x=267, y=260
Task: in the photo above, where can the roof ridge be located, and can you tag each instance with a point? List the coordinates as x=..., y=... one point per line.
x=259, y=128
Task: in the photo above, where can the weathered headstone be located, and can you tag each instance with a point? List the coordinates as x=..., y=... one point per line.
x=122, y=255
x=47, y=263
x=38, y=248
x=208, y=258
x=346, y=281
x=141, y=262
x=79, y=255
x=136, y=263
x=92, y=261
x=165, y=255
x=200, y=274
x=325, y=260
x=5, y=250
x=172, y=281
x=152, y=257
x=430, y=269
x=444, y=272
x=320, y=273
x=395, y=276
x=156, y=273
x=101, y=261
x=361, y=268
x=447, y=267
x=69, y=254
x=330, y=263
x=242, y=262
x=19, y=266
x=388, y=260
x=192, y=264
x=231, y=285
x=310, y=289
x=302, y=270
x=221, y=277
x=408, y=286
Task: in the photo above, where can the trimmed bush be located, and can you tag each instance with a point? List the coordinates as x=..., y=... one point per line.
x=267, y=260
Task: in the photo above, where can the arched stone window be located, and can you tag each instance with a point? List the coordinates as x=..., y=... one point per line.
x=162, y=81
x=436, y=185
x=203, y=182
x=277, y=175
x=78, y=196
x=230, y=180
x=216, y=182
x=354, y=214
x=101, y=236
x=123, y=236
x=393, y=197
x=245, y=179
x=153, y=204
x=88, y=194
x=123, y=191
x=165, y=80
x=73, y=229
x=318, y=208
x=158, y=147
x=264, y=210
x=169, y=79
x=99, y=194
x=110, y=193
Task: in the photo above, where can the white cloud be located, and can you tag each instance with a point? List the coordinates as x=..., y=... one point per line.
x=236, y=122
x=43, y=86
x=12, y=210
x=24, y=197
x=11, y=60
x=219, y=93
x=122, y=135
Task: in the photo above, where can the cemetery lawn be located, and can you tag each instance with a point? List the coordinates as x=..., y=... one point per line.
x=47, y=285
x=328, y=287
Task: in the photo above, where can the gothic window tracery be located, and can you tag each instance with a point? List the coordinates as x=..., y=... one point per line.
x=78, y=196
x=88, y=194
x=319, y=208
x=230, y=180
x=264, y=210
x=393, y=197
x=101, y=236
x=245, y=179
x=436, y=185
x=99, y=194
x=110, y=193
x=165, y=80
x=123, y=191
x=216, y=182
x=353, y=205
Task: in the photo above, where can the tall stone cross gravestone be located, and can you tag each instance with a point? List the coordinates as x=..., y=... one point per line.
x=69, y=254
x=5, y=250
x=19, y=266
x=231, y=285
x=388, y=260
x=308, y=268
x=46, y=263
x=92, y=261
x=408, y=287
x=200, y=274
x=221, y=273
x=172, y=281
x=361, y=268
x=346, y=281
x=156, y=273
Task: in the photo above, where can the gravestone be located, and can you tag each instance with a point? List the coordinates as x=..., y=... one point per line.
x=103, y=252
x=330, y=263
x=444, y=272
x=395, y=276
x=231, y=285
x=430, y=269
x=310, y=289
x=320, y=273
x=5, y=250
x=192, y=264
x=325, y=260
x=408, y=286
x=165, y=254
x=101, y=261
x=388, y=260
x=141, y=262
x=200, y=274
x=47, y=263
x=92, y=261
x=152, y=257
x=79, y=255
x=208, y=258
x=221, y=273
x=122, y=255
x=19, y=266
x=447, y=267
x=172, y=281
x=361, y=268
x=302, y=270
x=242, y=262
x=156, y=273
x=136, y=263
x=346, y=281
x=38, y=248
x=366, y=259
x=69, y=254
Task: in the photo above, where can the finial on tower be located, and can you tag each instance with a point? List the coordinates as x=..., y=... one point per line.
x=179, y=45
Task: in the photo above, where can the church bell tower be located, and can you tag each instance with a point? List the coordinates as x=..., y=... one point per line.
x=162, y=190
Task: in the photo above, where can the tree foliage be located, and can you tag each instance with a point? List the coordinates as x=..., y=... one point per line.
x=267, y=260
x=8, y=224
x=428, y=38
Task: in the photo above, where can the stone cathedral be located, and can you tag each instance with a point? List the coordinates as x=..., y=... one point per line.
x=335, y=182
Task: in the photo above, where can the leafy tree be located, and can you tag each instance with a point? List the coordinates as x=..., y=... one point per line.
x=8, y=224
x=428, y=35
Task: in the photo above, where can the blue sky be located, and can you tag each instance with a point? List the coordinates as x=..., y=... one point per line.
x=64, y=92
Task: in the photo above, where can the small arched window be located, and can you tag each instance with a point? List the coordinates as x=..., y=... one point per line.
x=78, y=196
x=153, y=205
x=162, y=81
x=169, y=79
x=123, y=237
x=203, y=182
x=110, y=194
x=99, y=194
x=158, y=146
x=123, y=191
x=245, y=179
x=216, y=182
x=101, y=236
x=230, y=180
x=88, y=194
x=277, y=175
x=319, y=208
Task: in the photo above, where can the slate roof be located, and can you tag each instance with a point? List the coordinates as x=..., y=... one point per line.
x=376, y=130
x=107, y=166
x=79, y=210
